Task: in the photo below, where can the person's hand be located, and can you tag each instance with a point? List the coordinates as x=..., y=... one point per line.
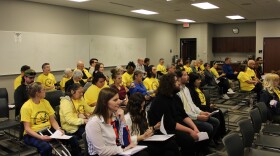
x=202, y=117
x=120, y=114
x=235, y=73
x=80, y=115
x=223, y=74
x=212, y=105
x=157, y=126
x=194, y=135
x=196, y=130
x=132, y=85
x=131, y=145
x=45, y=138
x=148, y=133
x=147, y=97
x=85, y=121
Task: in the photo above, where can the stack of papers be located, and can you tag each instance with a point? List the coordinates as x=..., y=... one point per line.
x=202, y=136
x=133, y=150
x=159, y=137
x=58, y=135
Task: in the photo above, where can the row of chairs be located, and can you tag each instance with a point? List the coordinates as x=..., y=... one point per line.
x=269, y=139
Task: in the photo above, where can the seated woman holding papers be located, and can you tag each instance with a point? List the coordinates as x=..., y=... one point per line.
x=139, y=130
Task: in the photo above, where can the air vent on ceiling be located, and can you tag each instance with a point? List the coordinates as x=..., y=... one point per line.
x=124, y=5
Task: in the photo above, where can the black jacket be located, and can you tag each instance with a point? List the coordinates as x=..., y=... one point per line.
x=20, y=97
x=266, y=97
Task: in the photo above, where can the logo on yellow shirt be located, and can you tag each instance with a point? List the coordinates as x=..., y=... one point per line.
x=41, y=117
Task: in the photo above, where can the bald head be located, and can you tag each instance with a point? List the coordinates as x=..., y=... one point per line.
x=251, y=64
x=80, y=65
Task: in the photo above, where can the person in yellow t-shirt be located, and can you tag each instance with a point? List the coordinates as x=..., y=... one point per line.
x=151, y=82
x=247, y=83
x=127, y=77
x=161, y=69
x=19, y=80
x=201, y=65
x=251, y=70
x=187, y=67
x=47, y=78
x=67, y=76
x=86, y=75
x=36, y=115
x=98, y=83
x=74, y=111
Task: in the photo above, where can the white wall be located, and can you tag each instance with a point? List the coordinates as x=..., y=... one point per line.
x=266, y=28
x=36, y=17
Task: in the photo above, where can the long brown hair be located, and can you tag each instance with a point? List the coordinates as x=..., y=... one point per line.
x=101, y=108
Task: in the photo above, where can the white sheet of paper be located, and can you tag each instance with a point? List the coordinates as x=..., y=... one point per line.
x=58, y=135
x=202, y=136
x=133, y=150
x=214, y=112
x=12, y=106
x=161, y=128
x=159, y=137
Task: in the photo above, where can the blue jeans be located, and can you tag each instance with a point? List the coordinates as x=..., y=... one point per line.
x=211, y=126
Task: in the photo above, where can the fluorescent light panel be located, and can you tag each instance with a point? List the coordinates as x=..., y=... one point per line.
x=79, y=0
x=235, y=17
x=205, y=5
x=185, y=20
x=145, y=12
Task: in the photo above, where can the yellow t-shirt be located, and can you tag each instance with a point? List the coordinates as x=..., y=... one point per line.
x=127, y=79
x=91, y=95
x=277, y=92
x=69, y=111
x=17, y=82
x=47, y=80
x=251, y=72
x=62, y=83
x=161, y=68
x=243, y=77
x=151, y=84
x=38, y=115
x=188, y=69
x=111, y=81
x=201, y=96
x=202, y=68
x=215, y=72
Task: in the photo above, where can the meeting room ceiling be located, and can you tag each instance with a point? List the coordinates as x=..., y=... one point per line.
x=169, y=11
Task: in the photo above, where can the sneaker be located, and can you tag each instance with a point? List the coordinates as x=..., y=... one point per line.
x=230, y=91
x=225, y=96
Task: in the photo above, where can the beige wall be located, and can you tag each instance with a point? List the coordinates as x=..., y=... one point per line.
x=36, y=17
x=266, y=28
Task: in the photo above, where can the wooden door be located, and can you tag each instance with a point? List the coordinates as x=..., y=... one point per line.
x=188, y=49
x=271, y=54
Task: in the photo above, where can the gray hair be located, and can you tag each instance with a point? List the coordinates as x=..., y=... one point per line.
x=77, y=73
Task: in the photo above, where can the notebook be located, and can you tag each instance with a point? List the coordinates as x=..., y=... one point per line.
x=159, y=137
x=133, y=150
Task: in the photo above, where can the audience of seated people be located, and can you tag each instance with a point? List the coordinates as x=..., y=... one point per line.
x=67, y=76
x=177, y=99
x=18, y=80
x=74, y=112
x=270, y=95
x=36, y=115
x=47, y=78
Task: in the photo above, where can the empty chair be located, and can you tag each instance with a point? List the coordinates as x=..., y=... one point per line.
x=4, y=94
x=5, y=122
x=234, y=147
x=54, y=97
x=268, y=128
x=249, y=129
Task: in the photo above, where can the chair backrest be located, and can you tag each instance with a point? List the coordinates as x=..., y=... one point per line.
x=247, y=131
x=57, y=116
x=234, y=145
x=85, y=142
x=4, y=108
x=256, y=120
x=4, y=94
x=54, y=97
x=265, y=113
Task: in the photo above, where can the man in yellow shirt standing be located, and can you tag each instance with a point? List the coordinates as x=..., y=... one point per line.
x=98, y=83
x=47, y=78
x=18, y=80
x=161, y=69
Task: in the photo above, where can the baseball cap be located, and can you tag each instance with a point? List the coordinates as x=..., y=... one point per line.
x=30, y=73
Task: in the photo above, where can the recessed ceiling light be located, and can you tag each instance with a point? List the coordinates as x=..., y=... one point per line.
x=235, y=17
x=79, y=0
x=145, y=12
x=205, y=5
x=185, y=20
